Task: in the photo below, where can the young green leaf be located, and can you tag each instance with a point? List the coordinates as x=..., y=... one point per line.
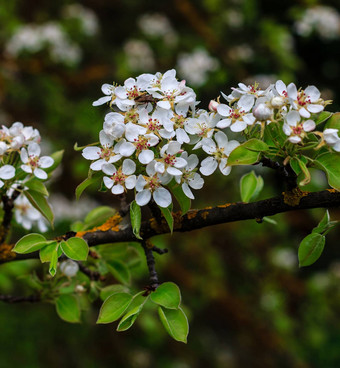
x=167, y=213
x=322, y=117
x=114, y=307
x=98, y=216
x=247, y=153
x=53, y=263
x=305, y=172
x=133, y=312
x=39, y=202
x=310, y=249
x=30, y=243
x=175, y=322
x=119, y=271
x=112, y=289
x=92, y=179
x=329, y=162
x=45, y=253
x=248, y=185
x=325, y=225
x=136, y=218
x=68, y=308
x=75, y=248
x=333, y=122
x=182, y=199
x=167, y=295
x=112, y=251
x=37, y=186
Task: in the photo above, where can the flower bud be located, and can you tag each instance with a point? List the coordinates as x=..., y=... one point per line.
x=262, y=112
x=277, y=102
x=213, y=105
x=69, y=268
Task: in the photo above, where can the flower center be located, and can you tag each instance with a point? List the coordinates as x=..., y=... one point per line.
x=152, y=182
x=141, y=144
x=133, y=93
x=118, y=177
x=33, y=161
x=153, y=125
x=106, y=153
x=178, y=121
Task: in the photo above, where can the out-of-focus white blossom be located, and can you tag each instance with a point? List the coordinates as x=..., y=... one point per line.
x=195, y=66
x=139, y=55
x=87, y=18
x=324, y=20
x=69, y=268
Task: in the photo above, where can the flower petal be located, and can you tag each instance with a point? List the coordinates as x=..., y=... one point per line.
x=143, y=197
x=162, y=197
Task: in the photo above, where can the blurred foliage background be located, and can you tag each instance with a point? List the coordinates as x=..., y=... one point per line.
x=249, y=303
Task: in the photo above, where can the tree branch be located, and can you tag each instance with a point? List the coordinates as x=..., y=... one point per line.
x=19, y=299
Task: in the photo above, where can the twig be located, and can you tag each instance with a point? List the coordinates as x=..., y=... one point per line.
x=93, y=275
x=286, y=172
x=8, y=205
x=150, y=261
x=20, y=299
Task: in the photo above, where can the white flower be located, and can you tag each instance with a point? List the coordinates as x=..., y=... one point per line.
x=168, y=161
x=102, y=155
x=33, y=163
x=151, y=186
x=202, y=126
x=120, y=179
x=6, y=172
x=27, y=216
x=108, y=91
x=189, y=177
x=237, y=118
x=219, y=154
x=305, y=101
x=296, y=130
x=114, y=125
x=331, y=137
x=69, y=268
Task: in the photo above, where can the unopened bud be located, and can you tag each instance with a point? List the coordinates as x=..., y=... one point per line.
x=262, y=112
x=213, y=105
x=69, y=268
x=277, y=102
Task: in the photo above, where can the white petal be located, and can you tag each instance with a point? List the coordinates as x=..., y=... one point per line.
x=107, y=89
x=313, y=93
x=173, y=171
x=127, y=149
x=101, y=101
x=238, y=126
x=292, y=91
x=182, y=136
x=294, y=139
x=40, y=173
x=7, y=172
x=164, y=105
x=24, y=155
x=143, y=197
x=108, y=182
x=180, y=162
x=304, y=113
x=117, y=189
x=162, y=197
x=46, y=161
x=315, y=108
x=129, y=167
x=105, y=139
x=140, y=183
x=160, y=167
x=192, y=162
x=146, y=156
x=91, y=153
x=308, y=125
x=187, y=191
x=224, y=110
x=246, y=102
x=292, y=118
x=130, y=182
x=97, y=165
x=224, y=123
x=231, y=146
x=225, y=170
x=26, y=168
x=221, y=139
x=280, y=87
x=173, y=147
x=197, y=182
x=108, y=169
x=208, y=166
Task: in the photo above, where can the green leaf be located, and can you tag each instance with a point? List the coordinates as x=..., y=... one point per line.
x=182, y=199
x=112, y=289
x=175, y=322
x=45, y=253
x=30, y=243
x=269, y=220
x=333, y=122
x=136, y=218
x=53, y=263
x=134, y=310
x=305, y=172
x=119, y=271
x=75, y=248
x=57, y=157
x=329, y=162
x=310, y=249
x=39, y=202
x=247, y=153
x=325, y=225
x=323, y=116
x=98, y=216
x=68, y=308
x=37, y=186
x=167, y=213
x=92, y=179
x=114, y=307
x=167, y=295
x=248, y=185
x=111, y=251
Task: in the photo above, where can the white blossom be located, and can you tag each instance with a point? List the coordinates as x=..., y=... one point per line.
x=296, y=130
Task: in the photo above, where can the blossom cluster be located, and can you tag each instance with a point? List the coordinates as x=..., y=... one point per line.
x=20, y=160
x=147, y=138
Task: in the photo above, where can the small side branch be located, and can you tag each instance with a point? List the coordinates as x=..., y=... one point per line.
x=8, y=206
x=93, y=275
x=286, y=172
x=150, y=261
x=20, y=299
